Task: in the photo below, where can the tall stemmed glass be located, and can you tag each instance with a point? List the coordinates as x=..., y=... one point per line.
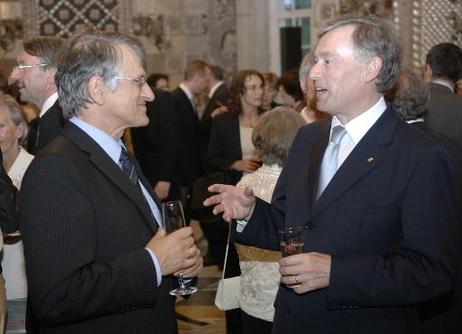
x=173, y=218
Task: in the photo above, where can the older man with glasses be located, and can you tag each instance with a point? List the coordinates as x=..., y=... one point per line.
x=34, y=74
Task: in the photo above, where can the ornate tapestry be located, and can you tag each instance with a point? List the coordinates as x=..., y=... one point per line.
x=64, y=17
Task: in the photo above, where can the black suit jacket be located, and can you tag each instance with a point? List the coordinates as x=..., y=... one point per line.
x=387, y=218
x=219, y=98
x=85, y=226
x=225, y=144
x=48, y=128
x=442, y=314
x=188, y=166
x=157, y=144
x=9, y=221
x=445, y=112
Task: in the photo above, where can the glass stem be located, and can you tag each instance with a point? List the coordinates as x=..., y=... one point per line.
x=181, y=281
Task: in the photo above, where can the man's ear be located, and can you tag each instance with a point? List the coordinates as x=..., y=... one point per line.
x=427, y=73
x=372, y=69
x=97, y=90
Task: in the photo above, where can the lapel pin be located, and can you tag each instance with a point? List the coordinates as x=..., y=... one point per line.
x=370, y=159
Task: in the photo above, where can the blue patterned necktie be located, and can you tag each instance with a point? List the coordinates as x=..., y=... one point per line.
x=128, y=167
x=329, y=163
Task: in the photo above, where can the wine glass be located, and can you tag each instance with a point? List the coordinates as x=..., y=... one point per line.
x=173, y=218
x=291, y=243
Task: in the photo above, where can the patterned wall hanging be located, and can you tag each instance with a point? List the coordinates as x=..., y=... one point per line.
x=435, y=21
x=64, y=17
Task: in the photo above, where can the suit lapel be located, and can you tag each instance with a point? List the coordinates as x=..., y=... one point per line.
x=315, y=158
x=367, y=154
x=107, y=167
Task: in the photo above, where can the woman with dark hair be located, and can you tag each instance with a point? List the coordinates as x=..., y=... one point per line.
x=231, y=150
x=290, y=90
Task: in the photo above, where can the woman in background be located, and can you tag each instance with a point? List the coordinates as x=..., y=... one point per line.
x=270, y=91
x=260, y=276
x=231, y=151
x=290, y=90
x=309, y=112
x=13, y=132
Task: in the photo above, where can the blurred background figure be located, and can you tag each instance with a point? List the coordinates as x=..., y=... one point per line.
x=270, y=91
x=308, y=111
x=231, y=150
x=410, y=100
x=260, y=278
x=13, y=133
x=290, y=90
x=458, y=88
x=443, y=68
x=158, y=81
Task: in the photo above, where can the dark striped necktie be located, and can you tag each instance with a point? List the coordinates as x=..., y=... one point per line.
x=128, y=167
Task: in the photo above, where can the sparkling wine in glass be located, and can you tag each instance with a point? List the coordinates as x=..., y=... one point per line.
x=173, y=218
x=291, y=243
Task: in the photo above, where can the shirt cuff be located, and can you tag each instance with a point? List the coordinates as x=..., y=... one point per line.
x=156, y=265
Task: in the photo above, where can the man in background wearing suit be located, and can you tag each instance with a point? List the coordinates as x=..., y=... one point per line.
x=375, y=199
x=443, y=68
x=218, y=97
x=157, y=145
x=97, y=258
x=189, y=166
x=35, y=76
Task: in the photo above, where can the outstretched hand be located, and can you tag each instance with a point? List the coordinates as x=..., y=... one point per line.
x=233, y=202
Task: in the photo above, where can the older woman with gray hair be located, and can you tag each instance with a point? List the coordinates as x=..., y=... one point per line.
x=272, y=137
x=13, y=134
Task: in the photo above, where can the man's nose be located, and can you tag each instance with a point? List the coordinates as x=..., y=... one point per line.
x=147, y=93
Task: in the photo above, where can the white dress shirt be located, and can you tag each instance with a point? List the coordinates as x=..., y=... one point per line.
x=49, y=103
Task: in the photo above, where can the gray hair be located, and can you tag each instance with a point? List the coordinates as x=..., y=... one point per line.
x=411, y=96
x=88, y=55
x=16, y=113
x=47, y=48
x=373, y=38
x=305, y=68
x=274, y=134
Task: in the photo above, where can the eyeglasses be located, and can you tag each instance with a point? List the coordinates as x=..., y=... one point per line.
x=140, y=82
x=25, y=67
x=254, y=88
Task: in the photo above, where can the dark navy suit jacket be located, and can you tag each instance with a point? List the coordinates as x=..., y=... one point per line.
x=387, y=219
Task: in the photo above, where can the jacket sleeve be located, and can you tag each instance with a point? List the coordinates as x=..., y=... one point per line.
x=9, y=221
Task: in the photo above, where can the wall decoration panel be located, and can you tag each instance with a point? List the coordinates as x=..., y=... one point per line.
x=434, y=21
x=64, y=17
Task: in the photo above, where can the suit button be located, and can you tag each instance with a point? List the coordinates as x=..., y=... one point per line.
x=309, y=225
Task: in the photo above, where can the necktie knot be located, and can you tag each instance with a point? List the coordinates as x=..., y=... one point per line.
x=337, y=134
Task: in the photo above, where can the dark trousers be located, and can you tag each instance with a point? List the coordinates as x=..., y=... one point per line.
x=233, y=317
x=252, y=325
x=215, y=232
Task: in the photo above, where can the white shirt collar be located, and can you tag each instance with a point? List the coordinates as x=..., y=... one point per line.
x=187, y=91
x=214, y=88
x=444, y=83
x=49, y=103
x=358, y=126
x=111, y=146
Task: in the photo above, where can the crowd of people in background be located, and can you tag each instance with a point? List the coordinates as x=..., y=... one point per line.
x=78, y=105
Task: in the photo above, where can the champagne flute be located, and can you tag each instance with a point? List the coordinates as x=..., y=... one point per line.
x=291, y=243
x=173, y=218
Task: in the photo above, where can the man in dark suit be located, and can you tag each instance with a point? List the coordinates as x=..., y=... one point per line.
x=218, y=97
x=189, y=166
x=97, y=260
x=374, y=197
x=35, y=76
x=157, y=144
x=410, y=102
x=443, y=68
